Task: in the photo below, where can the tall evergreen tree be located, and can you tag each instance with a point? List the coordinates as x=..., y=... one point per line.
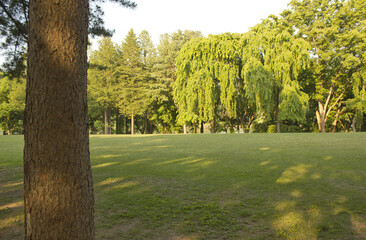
x=132, y=88
x=102, y=83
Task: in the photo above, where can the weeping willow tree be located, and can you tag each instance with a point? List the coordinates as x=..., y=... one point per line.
x=208, y=73
x=226, y=75
x=357, y=104
x=271, y=68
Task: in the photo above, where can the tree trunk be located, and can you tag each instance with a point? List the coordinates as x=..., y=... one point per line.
x=146, y=123
x=58, y=185
x=195, y=127
x=278, y=121
x=213, y=126
x=185, y=129
x=247, y=127
x=118, y=127
x=354, y=121
x=150, y=127
x=321, y=117
x=202, y=127
x=334, y=123
x=124, y=124
x=107, y=121
x=132, y=124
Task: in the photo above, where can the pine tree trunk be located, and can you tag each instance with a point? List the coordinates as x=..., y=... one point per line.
x=58, y=185
x=124, y=124
x=146, y=123
x=150, y=127
x=132, y=124
x=118, y=128
x=107, y=121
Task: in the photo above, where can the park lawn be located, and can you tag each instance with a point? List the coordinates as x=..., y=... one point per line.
x=222, y=186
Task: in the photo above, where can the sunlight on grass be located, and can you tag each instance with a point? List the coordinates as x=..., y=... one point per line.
x=359, y=225
x=192, y=161
x=138, y=161
x=110, y=156
x=293, y=225
x=175, y=161
x=315, y=176
x=126, y=185
x=293, y=174
x=13, y=184
x=109, y=181
x=285, y=205
x=105, y=165
x=327, y=158
x=206, y=186
x=296, y=194
x=265, y=163
x=13, y=220
x=12, y=205
x=264, y=148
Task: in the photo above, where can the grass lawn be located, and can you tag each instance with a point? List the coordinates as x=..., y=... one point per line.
x=223, y=186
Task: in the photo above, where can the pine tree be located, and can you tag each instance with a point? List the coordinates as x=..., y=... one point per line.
x=132, y=85
x=58, y=184
x=102, y=83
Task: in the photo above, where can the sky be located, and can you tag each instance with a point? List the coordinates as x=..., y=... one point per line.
x=167, y=16
x=208, y=16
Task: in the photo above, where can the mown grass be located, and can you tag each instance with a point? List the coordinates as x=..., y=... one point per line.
x=224, y=186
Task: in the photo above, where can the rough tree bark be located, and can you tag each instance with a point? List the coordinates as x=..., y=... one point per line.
x=58, y=186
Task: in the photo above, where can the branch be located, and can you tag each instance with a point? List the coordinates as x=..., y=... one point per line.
x=331, y=90
x=25, y=11
x=339, y=98
x=17, y=24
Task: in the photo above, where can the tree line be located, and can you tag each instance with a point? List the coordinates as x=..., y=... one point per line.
x=301, y=71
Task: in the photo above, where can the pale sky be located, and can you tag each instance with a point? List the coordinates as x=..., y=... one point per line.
x=167, y=16
x=208, y=16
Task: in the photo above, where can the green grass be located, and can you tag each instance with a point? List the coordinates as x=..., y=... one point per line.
x=252, y=186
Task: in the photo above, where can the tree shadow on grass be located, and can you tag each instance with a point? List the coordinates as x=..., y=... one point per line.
x=194, y=191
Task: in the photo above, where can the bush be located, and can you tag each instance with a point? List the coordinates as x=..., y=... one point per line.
x=272, y=129
x=291, y=128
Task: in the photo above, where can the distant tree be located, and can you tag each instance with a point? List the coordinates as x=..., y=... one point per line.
x=102, y=82
x=165, y=71
x=207, y=79
x=132, y=85
x=283, y=58
x=336, y=32
x=12, y=104
x=153, y=87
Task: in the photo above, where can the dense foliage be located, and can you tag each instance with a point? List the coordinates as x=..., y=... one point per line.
x=301, y=71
